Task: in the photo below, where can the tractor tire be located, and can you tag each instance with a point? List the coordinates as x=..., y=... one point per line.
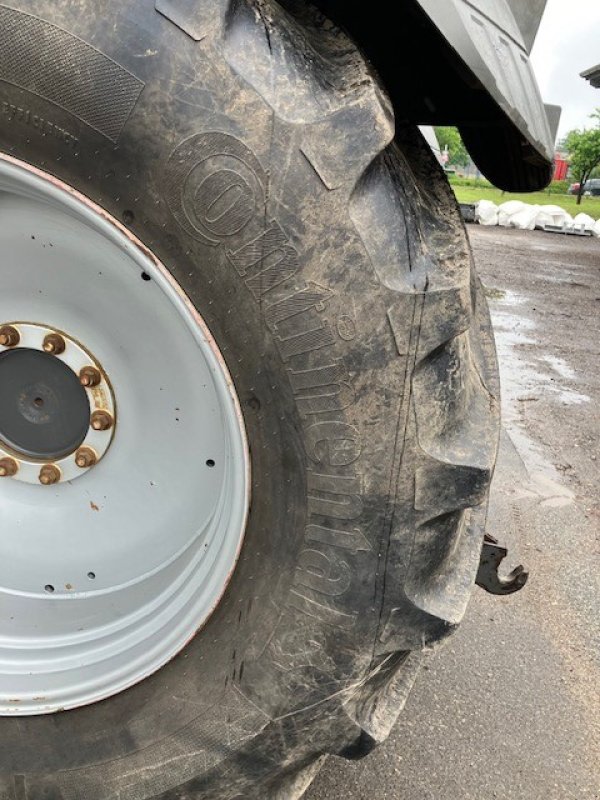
x=250, y=150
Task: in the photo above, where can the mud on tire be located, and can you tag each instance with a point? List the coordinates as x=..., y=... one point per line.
x=251, y=149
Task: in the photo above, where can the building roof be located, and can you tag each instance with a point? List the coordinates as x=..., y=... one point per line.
x=593, y=76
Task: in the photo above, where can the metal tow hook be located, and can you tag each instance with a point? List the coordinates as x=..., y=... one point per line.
x=492, y=556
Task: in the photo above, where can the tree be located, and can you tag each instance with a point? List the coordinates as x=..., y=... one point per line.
x=583, y=147
x=457, y=152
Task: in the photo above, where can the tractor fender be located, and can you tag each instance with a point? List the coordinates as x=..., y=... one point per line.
x=464, y=63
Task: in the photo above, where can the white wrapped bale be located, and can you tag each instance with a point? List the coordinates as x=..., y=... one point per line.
x=584, y=222
x=486, y=212
x=515, y=214
x=553, y=215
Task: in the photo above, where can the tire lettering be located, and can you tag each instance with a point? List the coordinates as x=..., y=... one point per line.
x=346, y=327
x=322, y=390
x=353, y=540
x=323, y=574
x=224, y=186
x=312, y=296
x=270, y=257
x=43, y=126
x=317, y=336
x=300, y=601
x=334, y=496
x=223, y=202
x=333, y=443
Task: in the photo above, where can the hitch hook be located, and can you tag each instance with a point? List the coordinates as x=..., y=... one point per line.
x=492, y=555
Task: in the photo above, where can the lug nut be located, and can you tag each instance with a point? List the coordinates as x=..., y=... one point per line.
x=49, y=474
x=9, y=336
x=101, y=420
x=54, y=344
x=8, y=467
x=89, y=377
x=85, y=457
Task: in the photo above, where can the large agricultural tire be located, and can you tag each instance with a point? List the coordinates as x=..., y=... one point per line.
x=250, y=149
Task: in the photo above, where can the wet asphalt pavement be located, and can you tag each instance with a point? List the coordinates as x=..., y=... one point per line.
x=510, y=707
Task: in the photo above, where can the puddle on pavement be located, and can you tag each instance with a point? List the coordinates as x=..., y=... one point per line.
x=524, y=381
x=555, y=272
x=560, y=365
x=506, y=295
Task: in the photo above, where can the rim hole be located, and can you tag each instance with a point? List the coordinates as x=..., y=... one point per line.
x=49, y=588
x=91, y=575
x=146, y=277
x=210, y=463
x=39, y=402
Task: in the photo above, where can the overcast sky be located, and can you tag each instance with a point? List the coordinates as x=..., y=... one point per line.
x=568, y=43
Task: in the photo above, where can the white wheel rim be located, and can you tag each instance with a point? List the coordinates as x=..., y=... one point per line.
x=143, y=543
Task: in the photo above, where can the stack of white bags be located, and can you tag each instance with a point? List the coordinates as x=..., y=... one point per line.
x=515, y=214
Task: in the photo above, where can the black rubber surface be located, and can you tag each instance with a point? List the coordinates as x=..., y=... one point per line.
x=261, y=163
x=44, y=410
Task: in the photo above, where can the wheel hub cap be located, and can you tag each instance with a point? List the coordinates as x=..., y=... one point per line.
x=44, y=412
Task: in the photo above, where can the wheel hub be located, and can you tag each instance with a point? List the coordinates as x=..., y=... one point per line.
x=52, y=394
x=120, y=524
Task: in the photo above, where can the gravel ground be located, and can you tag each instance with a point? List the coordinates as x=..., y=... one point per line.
x=510, y=708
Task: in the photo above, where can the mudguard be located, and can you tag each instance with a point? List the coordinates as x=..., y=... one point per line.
x=463, y=63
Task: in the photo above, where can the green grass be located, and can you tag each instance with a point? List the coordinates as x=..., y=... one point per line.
x=589, y=205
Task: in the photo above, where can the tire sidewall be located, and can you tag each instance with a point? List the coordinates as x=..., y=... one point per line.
x=299, y=613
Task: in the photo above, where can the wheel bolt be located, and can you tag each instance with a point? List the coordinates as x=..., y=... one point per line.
x=9, y=336
x=89, y=377
x=49, y=474
x=101, y=420
x=8, y=467
x=85, y=457
x=54, y=344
